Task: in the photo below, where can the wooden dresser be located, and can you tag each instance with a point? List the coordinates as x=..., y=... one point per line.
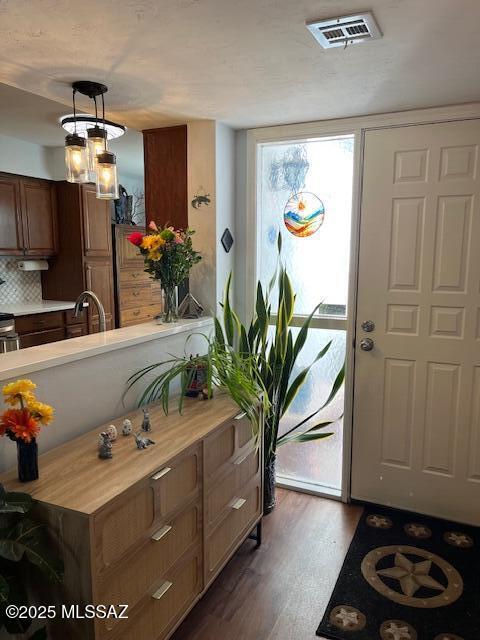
x=138, y=298
x=149, y=528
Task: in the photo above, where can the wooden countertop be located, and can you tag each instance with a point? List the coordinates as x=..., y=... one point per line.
x=73, y=477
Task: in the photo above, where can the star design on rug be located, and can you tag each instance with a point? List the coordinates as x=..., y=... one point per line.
x=347, y=618
x=379, y=522
x=397, y=631
x=458, y=539
x=417, y=530
x=411, y=575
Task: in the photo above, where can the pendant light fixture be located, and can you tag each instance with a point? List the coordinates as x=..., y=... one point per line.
x=106, y=164
x=88, y=158
x=76, y=154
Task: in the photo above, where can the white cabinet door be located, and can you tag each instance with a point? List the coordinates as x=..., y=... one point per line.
x=416, y=434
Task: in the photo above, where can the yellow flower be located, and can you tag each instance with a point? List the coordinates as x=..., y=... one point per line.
x=152, y=242
x=19, y=390
x=41, y=411
x=154, y=255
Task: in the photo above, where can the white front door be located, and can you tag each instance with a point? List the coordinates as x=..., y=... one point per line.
x=416, y=429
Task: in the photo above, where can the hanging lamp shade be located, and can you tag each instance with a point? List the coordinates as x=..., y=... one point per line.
x=76, y=159
x=107, y=180
x=96, y=144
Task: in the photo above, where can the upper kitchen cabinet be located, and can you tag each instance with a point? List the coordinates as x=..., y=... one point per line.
x=96, y=224
x=165, y=152
x=11, y=231
x=38, y=217
x=27, y=216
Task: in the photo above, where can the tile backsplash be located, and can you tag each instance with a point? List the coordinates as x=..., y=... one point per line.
x=19, y=286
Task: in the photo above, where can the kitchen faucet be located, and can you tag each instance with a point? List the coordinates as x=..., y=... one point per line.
x=82, y=298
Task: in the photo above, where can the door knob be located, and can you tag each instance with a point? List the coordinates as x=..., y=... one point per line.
x=366, y=344
x=368, y=325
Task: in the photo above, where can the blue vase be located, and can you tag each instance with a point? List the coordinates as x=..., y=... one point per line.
x=27, y=459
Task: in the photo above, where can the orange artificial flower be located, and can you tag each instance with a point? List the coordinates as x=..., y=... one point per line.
x=20, y=424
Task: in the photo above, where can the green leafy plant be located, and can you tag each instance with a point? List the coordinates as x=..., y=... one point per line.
x=275, y=354
x=24, y=557
x=255, y=363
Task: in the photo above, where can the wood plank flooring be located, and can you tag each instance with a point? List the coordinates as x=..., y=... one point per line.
x=280, y=591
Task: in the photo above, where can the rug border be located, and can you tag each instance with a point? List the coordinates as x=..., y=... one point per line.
x=328, y=634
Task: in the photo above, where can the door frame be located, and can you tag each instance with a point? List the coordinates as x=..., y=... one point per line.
x=247, y=211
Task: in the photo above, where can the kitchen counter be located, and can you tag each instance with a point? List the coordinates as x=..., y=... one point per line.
x=44, y=306
x=45, y=356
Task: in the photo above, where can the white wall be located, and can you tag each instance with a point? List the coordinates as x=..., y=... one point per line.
x=26, y=158
x=201, y=155
x=240, y=276
x=225, y=198
x=88, y=393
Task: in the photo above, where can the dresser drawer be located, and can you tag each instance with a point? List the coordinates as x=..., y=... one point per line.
x=134, y=516
x=245, y=510
x=132, y=276
x=232, y=440
x=134, y=579
x=221, y=494
x=167, y=602
x=177, y=483
x=141, y=294
x=139, y=314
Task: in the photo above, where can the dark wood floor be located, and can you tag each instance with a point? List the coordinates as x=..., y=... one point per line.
x=278, y=592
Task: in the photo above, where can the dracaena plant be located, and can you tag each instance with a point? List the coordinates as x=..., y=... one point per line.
x=268, y=340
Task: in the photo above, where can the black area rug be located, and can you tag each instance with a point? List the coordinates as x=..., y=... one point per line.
x=407, y=577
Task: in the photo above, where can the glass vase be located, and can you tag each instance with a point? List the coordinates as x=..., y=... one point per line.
x=170, y=304
x=27, y=459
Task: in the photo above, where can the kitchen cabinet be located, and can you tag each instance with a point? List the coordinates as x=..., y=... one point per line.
x=40, y=328
x=84, y=259
x=27, y=216
x=156, y=526
x=165, y=151
x=138, y=298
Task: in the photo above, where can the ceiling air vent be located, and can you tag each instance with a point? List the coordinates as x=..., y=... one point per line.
x=341, y=32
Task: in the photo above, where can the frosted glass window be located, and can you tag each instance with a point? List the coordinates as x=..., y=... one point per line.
x=318, y=264
x=317, y=462
x=304, y=190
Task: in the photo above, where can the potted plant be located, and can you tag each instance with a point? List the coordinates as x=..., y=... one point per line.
x=256, y=368
x=25, y=557
x=169, y=255
x=22, y=422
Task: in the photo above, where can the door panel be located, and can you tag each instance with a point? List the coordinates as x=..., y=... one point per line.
x=39, y=217
x=416, y=442
x=96, y=224
x=11, y=232
x=99, y=279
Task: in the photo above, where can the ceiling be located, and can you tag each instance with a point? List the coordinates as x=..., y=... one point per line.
x=35, y=119
x=247, y=63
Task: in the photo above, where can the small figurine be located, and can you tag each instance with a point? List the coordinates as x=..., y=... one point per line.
x=146, y=426
x=105, y=448
x=112, y=432
x=126, y=427
x=142, y=443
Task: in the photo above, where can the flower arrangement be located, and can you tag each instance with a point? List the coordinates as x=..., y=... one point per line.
x=169, y=255
x=22, y=422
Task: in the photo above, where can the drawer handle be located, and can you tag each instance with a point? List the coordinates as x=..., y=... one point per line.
x=135, y=275
x=161, y=533
x=136, y=293
x=243, y=458
x=238, y=504
x=136, y=313
x=161, y=473
x=240, y=415
x=161, y=591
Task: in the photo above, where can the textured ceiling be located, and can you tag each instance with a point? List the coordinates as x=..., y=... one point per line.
x=245, y=62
